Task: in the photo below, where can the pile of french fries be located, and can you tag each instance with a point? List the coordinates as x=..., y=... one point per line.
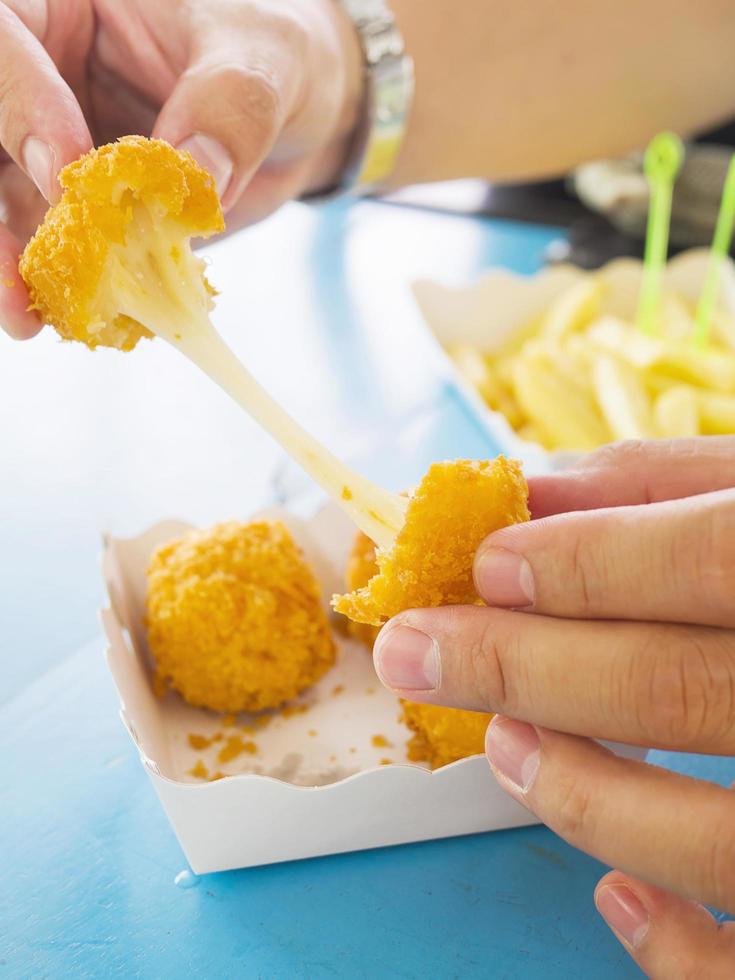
x=576, y=377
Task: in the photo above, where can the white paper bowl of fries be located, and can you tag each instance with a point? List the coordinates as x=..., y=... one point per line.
x=555, y=364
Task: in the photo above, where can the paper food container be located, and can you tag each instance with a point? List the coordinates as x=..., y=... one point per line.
x=490, y=311
x=316, y=783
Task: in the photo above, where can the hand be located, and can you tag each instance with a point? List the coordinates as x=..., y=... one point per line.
x=618, y=622
x=264, y=94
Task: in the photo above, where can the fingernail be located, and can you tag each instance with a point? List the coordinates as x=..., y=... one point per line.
x=211, y=155
x=407, y=659
x=624, y=912
x=514, y=751
x=504, y=578
x=39, y=161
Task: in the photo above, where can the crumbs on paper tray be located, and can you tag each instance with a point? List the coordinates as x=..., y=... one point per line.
x=234, y=747
x=199, y=770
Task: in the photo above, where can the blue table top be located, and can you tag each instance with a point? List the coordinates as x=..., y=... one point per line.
x=317, y=302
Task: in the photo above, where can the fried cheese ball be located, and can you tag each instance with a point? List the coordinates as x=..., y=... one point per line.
x=112, y=260
x=235, y=617
x=444, y=735
x=456, y=505
x=441, y=735
x=361, y=566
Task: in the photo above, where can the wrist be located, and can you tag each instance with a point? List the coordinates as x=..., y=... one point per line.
x=349, y=61
x=371, y=152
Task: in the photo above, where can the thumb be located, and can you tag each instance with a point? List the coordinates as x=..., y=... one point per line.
x=229, y=106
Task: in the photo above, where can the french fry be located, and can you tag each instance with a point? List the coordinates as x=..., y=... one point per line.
x=475, y=368
x=573, y=379
x=676, y=412
x=573, y=309
x=676, y=320
x=563, y=413
x=716, y=412
x=722, y=326
x=531, y=434
x=708, y=367
x=622, y=398
x=480, y=372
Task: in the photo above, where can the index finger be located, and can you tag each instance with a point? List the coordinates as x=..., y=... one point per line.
x=630, y=473
x=674, y=831
x=42, y=126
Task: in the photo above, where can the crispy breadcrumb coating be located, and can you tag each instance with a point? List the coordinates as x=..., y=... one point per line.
x=235, y=617
x=443, y=735
x=456, y=506
x=361, y=566
x=116, y=246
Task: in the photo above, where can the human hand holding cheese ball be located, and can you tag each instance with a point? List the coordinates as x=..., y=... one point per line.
x=268, y=97
x=264, y=96
x=430, y=563
x=608, y=616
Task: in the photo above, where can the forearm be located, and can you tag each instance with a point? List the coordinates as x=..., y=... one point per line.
x=514, y=91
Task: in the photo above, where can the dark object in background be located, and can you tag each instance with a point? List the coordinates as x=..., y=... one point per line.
x=611, y=222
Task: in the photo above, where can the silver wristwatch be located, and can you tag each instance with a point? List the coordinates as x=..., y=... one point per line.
x=389, y=84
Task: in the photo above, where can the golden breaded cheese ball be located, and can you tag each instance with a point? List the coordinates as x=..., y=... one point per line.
x=112, y=260
x=361, y=566
x=444, y=735
x=456, y=505
x=441, y=735
x=235, y=617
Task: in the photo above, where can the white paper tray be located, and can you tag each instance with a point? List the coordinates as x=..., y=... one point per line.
x=491, y=310
x=303, y=794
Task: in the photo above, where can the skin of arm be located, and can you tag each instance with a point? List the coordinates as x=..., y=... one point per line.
x=516, y=91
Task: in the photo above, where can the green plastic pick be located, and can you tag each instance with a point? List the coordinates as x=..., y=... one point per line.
x=661, y=165
x=718, y=256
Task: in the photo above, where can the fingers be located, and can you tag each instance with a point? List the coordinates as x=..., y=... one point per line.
x=641, y=683
x=669, y=937
x=672, y=561
x=15, y=318
x=227, y=109
x=676, y=832
x=41, y=124
x=637, y=473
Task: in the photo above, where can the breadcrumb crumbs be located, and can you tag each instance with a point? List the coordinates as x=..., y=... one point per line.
x=386, y=762
x=338, y=689
x=294, y=709
x=234, y=747
x=216, y=775
x=235, y=618
x=229, y=721
x=199, y=741
x=380, y=742
x=199, y=770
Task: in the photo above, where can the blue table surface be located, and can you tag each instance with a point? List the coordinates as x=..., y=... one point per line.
x=317, y=302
